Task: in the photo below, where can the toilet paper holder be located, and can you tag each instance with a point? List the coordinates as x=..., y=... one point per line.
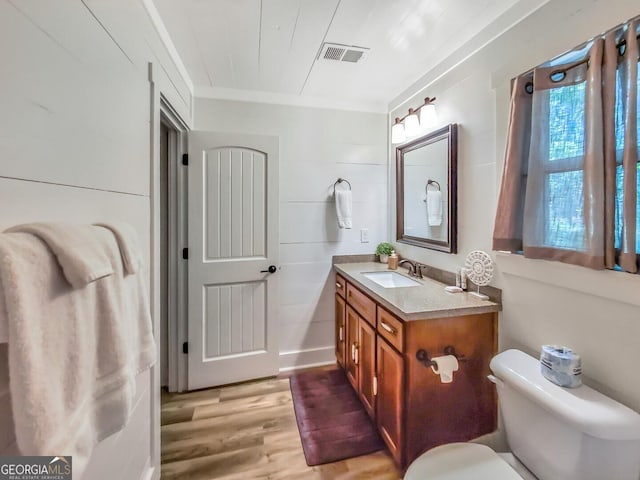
x=423, y=356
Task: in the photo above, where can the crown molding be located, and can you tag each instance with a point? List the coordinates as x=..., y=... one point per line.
x=165, y=38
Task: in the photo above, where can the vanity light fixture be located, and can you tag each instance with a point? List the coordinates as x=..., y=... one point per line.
x=428, y=115
x=397, y=132
x=410, y=126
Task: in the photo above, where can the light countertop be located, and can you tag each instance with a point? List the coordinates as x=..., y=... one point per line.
x=429, y=300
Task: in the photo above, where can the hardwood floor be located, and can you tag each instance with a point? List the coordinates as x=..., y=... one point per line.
x=247, y=431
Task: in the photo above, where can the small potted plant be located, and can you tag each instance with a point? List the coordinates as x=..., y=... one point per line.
x=383, y=250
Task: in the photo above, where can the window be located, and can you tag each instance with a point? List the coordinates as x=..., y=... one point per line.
x=620, y=123
x=564, y=195
x=564, y=176
x=571, y=180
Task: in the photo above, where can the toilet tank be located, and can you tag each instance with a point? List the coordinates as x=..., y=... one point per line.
x=564, y=433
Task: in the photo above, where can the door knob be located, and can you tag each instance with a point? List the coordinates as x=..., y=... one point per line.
x=271, y=269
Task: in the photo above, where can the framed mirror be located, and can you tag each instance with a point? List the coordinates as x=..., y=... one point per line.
x=426, y=190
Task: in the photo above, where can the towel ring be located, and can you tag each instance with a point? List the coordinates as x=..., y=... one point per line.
x=340, y=180
x=432, y=182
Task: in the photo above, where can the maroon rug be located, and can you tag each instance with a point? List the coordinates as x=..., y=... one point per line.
x=332, y=422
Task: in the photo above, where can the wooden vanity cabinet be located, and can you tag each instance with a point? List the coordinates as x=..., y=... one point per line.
x=360, y=345
x=389, y=398
x=437, y=413
x=412, y=409
x=352, y=320
x=341, y=312
x=367, y=366
x=360, y=362
x=391, y=329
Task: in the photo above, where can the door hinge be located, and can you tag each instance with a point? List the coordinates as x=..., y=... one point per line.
x=185, y=253
x=185, y=159
x=375, y=385
x=185, y=348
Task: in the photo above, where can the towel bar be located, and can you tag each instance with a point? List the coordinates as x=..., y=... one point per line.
x=340, y=180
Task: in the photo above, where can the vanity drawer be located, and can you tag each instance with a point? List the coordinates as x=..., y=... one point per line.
x=391, y=328
x=363, y=304
x=341, y=286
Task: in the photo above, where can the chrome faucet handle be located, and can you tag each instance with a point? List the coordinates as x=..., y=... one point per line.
x=419, y=267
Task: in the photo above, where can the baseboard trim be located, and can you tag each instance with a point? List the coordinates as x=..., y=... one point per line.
x=312, y=357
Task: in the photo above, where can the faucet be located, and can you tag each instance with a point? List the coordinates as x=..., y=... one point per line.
x=415, y=268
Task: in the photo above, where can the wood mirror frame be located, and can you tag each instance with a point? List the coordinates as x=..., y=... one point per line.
x=449, y=166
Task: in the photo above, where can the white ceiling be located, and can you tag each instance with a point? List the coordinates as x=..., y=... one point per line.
x=270, y=46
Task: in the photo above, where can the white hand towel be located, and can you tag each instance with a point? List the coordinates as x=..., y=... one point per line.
x=73, y=353
x=76, y=248
x=127, y=241
x=434, y=207
x=343, y=208
x=445, y=366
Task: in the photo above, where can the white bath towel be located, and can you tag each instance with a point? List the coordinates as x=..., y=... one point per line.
x=73, y=353
x=82, y=259
x=128, y=242
x=343, y=208
x=434, y=208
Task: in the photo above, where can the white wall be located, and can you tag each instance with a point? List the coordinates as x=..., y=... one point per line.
x=316, y=147
x=75, y=131
x=596, y=313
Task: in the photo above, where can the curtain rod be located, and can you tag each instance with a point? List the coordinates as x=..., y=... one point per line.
x=584, y=44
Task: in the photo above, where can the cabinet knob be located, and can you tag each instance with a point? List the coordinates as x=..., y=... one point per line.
x=338, y=285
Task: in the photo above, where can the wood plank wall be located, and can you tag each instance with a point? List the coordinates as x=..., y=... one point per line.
x=75, y=130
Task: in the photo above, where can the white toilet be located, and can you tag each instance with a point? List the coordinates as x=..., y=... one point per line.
x=554, y=433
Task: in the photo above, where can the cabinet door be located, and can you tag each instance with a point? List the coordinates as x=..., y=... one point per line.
x=367, y=366
x=390, y=377
x=340, y=330
x=351, y=346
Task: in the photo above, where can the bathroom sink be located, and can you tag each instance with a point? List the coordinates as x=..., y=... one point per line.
x=390, y=279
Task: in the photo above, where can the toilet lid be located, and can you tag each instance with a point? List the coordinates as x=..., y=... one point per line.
x=460, y=461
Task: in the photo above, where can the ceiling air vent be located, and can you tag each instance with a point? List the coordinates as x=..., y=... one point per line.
x=341, y=53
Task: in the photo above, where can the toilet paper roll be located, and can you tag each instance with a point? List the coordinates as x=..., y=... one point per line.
x=445, y=366
x=561, y=365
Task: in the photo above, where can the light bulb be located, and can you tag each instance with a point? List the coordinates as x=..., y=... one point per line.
x=428, y=116
x=397, y=132
x=411, y=124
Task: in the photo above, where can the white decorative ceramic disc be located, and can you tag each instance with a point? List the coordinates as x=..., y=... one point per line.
x=479, y=267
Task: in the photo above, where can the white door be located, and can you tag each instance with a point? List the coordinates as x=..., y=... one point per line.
x=233, y=242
